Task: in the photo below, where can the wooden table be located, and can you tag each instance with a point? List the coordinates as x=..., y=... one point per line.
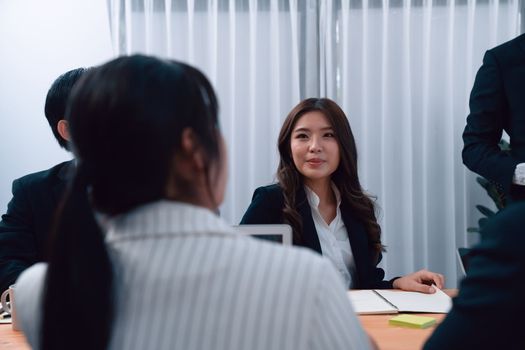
x=390, y=337
x=12, y=340
x=387, y=337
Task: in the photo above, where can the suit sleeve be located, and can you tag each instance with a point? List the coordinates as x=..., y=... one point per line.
x=264, y=209
x=18, y=248
x=377, y=276
x=368, y=274
x=371, y=276
x=488, y=311
x=485, y=124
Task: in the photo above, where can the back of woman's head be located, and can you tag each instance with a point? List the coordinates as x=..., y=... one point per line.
x=126, y=121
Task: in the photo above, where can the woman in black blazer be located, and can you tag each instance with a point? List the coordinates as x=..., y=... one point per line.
x=318, y=189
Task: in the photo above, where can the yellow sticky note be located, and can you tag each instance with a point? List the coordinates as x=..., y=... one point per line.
x=412, y=321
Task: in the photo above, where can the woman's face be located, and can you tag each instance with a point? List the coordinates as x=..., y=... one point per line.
x=315, y=150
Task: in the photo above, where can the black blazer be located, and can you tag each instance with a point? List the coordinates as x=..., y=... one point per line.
x=24, y=229
x=488, y=311
x=497, y=104
x=267, y=208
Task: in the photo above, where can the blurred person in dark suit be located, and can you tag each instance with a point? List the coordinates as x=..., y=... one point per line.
x=497, y=105
x=24, y=229
x=488, y=311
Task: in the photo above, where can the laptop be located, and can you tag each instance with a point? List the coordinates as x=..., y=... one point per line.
x=462, y=255
x=281, y=234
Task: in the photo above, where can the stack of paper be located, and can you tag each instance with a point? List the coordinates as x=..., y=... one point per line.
x=377, y=301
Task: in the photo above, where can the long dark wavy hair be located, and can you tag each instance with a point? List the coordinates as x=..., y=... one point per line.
x=345, y=176
x=126, y=120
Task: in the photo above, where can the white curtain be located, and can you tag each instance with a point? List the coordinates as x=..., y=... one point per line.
x=402, y=71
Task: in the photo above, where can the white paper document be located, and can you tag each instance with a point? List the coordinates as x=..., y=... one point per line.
x=367, y=301
x=379, y=301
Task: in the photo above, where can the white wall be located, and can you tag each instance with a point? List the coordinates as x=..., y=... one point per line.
x=39, y=40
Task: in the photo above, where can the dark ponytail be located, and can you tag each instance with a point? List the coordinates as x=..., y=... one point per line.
x=77, y=309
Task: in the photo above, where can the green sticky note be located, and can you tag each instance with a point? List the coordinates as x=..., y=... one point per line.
x=412, y=321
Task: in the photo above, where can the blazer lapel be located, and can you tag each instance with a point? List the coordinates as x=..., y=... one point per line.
x=358, y=244
x=309, y=234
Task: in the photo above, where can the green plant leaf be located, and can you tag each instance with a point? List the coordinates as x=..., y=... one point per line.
x=483, y=182
x=496, y=195
x=482, y=222
x=493, y=192
x=485, y=211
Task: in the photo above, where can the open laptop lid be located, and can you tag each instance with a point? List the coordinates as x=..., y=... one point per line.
x=276, y=233
x=462, y=255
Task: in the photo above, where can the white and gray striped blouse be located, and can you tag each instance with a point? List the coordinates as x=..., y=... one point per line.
x=185, y=280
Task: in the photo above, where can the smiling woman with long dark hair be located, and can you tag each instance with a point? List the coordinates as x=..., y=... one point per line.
x=155, y=268
x=319, y=195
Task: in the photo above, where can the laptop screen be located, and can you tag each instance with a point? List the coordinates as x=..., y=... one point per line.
x=462, y=255
x=281, y=234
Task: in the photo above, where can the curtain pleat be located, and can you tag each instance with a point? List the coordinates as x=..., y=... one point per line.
x=253, y=99
x=213, y=32
x=114, y=24
x=148, y=19
x=294, y=40
x=190, y=30
x=168, y=28
x=230, y=206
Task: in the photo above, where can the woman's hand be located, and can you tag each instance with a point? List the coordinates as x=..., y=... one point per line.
x=420, y=281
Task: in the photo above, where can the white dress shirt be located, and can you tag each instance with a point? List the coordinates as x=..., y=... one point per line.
x=333, y=237
x=185, y=280
x=519, y=175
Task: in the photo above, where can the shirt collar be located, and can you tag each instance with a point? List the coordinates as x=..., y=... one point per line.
x=165, y=218
x=313, y=198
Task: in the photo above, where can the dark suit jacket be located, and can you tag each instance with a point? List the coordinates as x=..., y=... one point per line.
x=497, y=104
x=24, y=229
x=267, y=208
x=489, y=309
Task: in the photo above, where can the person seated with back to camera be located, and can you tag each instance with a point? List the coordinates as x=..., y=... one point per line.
x=319, y=195
x=488, y=310
x=155, y=267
